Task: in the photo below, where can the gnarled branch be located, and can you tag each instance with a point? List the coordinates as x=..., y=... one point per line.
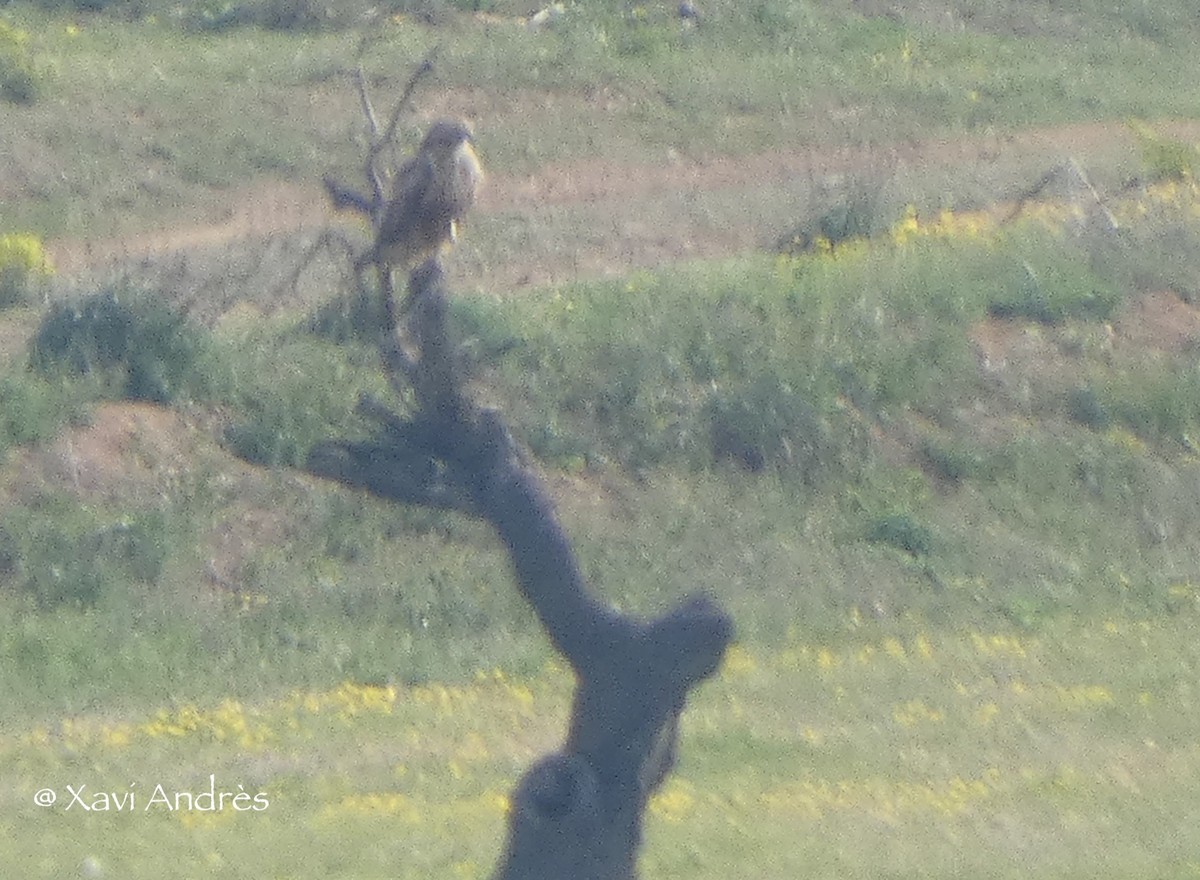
x=578, y=813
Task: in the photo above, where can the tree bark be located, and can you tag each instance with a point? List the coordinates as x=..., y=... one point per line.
x=576, y=814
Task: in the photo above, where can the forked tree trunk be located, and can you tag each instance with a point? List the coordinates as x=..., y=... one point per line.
x=576, y=814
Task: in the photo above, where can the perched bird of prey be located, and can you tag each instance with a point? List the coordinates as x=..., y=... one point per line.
x=432, y=192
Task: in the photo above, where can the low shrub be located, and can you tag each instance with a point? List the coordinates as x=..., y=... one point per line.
x=132, y=342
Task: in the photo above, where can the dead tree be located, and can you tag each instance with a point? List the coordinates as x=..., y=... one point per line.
x=576, y=814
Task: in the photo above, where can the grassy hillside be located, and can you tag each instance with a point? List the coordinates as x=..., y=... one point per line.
x=136, y=119
x=936, y=450
x=943, y=479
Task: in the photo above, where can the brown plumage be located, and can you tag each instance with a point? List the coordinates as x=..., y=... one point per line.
x=433, y=191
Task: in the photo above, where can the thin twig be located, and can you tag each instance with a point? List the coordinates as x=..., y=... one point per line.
x=365, y=42
x=380, y=142
x=1109, y=219
x=360, y=80
x=423, y=69
x=1031, y=193
x=327, y=240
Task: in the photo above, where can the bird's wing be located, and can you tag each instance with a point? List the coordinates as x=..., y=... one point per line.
x=413, y=183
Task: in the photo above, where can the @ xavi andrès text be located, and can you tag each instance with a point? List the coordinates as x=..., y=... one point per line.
x=205, y=798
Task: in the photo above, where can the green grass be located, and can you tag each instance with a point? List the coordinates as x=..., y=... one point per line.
x=961, y=752
x=766, y=423
x=755, y=76
x=965, y=587
x=129, y=341
x=784, y=354
x=35, y=409
x=806, y=433
x=935, y=679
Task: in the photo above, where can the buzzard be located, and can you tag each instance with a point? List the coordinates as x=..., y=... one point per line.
x=432, y=192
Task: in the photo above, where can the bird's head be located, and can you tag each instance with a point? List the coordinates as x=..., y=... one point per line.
x=455, y=165
x=445, y=136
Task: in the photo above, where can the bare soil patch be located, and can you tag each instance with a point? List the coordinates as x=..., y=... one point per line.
x=601, y=216
x=132, y=455
x=127, y=452
x=1159, y=320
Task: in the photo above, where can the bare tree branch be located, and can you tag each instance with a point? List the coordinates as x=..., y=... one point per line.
x=382, y=141
x=1076, y=176
x=577, y=813
x=423, y=69
x=366, y=40
x=344, y=197
x=364, y=98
